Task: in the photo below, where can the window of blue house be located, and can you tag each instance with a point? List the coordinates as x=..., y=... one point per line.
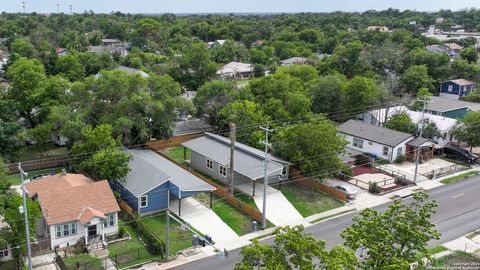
x=450, y=88
x=223, y=170
x=144, y=201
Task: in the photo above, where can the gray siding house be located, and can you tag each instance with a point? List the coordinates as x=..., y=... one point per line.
x=210, y=154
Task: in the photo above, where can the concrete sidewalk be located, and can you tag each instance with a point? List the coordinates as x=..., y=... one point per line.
x=207, y=222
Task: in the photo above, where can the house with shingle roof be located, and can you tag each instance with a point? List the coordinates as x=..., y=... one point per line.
x=74, y=207
x=382, y=142
x=236, y=70
x=456, y=89
x=154, y=181
x=452, y=108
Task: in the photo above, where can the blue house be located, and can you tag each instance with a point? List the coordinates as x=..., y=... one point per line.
x=154, y=181
x=456, y=89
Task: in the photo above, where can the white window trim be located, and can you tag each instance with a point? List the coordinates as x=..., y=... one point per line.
x=383, y=151
x=146, y=201
x=359, y=143
x=70, y=228
x=107, y=224
x=206, y=163
x=220, y=170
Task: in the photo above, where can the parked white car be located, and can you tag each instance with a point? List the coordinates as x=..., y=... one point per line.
x=348, y=190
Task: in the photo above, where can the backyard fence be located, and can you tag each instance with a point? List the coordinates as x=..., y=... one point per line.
x=317, y=185
x=125, y=207
x=46, y=163
x=221, y=191
x=174, y=141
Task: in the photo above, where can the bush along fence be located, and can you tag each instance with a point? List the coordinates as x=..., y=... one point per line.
x=152, y=242
x=221, y=191
x=315, y=184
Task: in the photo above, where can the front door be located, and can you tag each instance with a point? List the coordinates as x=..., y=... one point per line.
x=92, y=230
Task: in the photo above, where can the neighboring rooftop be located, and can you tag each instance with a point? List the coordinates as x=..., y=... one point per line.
x=133, y=71
x=377, y=134
x=453, y=46
x=149, y=170
x=248, y=160
x=440, y=104
x=294, y=61
x=234, y=67
x=68, y=197
x=461, y=82
x=191, y=126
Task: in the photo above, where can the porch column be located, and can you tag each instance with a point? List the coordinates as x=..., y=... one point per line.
x=253, y=193
x=211, y=202
x=179, y=206
x=86, y=234
x=103, y=231
x=184, y=153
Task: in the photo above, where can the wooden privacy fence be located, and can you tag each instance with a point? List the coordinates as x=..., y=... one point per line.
x=174, y=141
x=222, y=192
x=125, y=207
x=47, y=163
x=317, y=185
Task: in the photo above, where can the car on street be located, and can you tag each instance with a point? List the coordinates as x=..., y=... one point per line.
x=348, y=190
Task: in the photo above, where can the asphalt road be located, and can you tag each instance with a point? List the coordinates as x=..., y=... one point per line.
x=458, y=213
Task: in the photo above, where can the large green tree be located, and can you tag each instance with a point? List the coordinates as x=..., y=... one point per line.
x=469, y=129
x=361, y=93
x=401, y=122
x=416, y=77
x=392, y=239
x=294, y=249
x=314, y=146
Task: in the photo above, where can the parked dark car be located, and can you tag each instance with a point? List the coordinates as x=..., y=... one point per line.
x=459, y=153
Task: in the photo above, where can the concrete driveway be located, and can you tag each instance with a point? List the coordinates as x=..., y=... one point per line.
x=279, y=210
x=408, y=168
x=207, y=222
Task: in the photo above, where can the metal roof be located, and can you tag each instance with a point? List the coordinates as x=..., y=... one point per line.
x=440, y=104
x=148, y=170
x=248, y=160
x=376, y=134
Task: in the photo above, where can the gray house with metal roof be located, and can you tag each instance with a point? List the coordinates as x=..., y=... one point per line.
x=210, y=154
x=153, y=181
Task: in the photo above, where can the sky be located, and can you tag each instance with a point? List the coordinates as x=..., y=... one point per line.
x=235, y=6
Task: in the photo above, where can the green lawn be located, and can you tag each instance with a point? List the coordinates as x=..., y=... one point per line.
x=456, y=260
x=131, y=252
x=176, y=153
x=86, y=262
x=238, y=221
x=431, y=251
x=14, y=179
x=33, y=153
x=459, y=177
x=179, y=239
x=308, y=202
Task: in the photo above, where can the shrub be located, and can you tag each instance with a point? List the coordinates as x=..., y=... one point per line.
x=153, y=245
x=400, y=159
x=80, y=246
x=374, y=188
x=121, y=232
x=348, y=171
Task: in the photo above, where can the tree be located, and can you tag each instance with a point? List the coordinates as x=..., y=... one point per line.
x=70, y=67
x=294, y=250
x=401, y=122
x=101, y=155
x=10, y=129
x=473, y=96
x=422, y=94
x=469, y=129
x=328, y=94
x=23, y=47
x=23, y=88
x=213, y=96
x=392, y=239
x=245, y=114
x=431, y=131
x=360, y=93
x=469, y=54
x=305, y=143
x=416, y=77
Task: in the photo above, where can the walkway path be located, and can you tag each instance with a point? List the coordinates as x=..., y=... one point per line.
x=207, y=222
x=279, y=210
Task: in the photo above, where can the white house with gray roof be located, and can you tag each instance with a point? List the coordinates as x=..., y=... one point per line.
x=153, y=181
x=382, y=142
x=210, y=154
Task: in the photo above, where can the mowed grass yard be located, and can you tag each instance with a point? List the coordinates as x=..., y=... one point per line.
x=455, y=260
x=238, y=221
x=179, y=238
x=85, y=261
x=130, y=252
x=308, y=202
x=15, y=179
x=176, y=153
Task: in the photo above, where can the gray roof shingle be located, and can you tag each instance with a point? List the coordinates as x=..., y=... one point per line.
x=149, y=170
x=440, y=104
x=248, y=160
x=372, y=133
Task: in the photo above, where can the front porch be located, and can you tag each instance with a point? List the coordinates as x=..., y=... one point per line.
x=424, y=147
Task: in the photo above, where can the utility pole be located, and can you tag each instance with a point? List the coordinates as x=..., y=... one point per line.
x=265, y=174
x=418, y=151
x=233, y=137
x=25, y=215
x=167, y=238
